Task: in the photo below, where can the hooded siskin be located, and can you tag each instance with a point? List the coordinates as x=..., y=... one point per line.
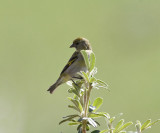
x=75, y=64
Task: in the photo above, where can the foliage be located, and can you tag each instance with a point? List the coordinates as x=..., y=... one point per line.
x=87, y=112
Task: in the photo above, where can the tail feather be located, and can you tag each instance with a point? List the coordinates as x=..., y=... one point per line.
x=52, y=88
x=55, y=85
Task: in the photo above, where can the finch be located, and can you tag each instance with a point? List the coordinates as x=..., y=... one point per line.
x=75, y=64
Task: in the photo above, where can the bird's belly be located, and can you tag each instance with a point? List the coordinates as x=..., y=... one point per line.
x=74, y=70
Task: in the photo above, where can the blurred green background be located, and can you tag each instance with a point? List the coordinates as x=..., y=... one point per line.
x=35, y=36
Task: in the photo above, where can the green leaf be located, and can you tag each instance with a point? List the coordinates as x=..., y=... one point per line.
x=79, y=127
x=112, y=119
x=102, y=83
x=126, y=125
x=73, y=107
x=120, y=123
x=145, y=124
x=74, y=123
x=71, y=90
x=138, y=126
x=92, y=122
x=92, y=79
x=97, y=103
x=68, y=118
x=153, y=123
x=85, y=56
x=138, y=122
x=95, y=131
x=92, y=61
x=93, y=72
x=76, y=103
x=87, y=127
x=99, y=114
x=94, y=115
x=85, y=76
x=103, y=131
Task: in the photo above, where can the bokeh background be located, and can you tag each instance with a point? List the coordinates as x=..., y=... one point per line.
x=35, y=36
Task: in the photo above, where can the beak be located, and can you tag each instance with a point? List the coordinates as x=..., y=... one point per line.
x=72, y=45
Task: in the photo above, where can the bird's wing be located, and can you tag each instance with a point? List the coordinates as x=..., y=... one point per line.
x=71, y=60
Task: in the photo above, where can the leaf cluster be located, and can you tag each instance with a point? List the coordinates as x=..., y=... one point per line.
x=86, y=111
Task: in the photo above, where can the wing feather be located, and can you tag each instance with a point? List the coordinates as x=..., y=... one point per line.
x=70, y=62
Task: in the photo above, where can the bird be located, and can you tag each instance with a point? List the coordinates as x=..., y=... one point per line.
x=75, y=64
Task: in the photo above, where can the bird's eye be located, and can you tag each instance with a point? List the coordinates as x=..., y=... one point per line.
x=77, y=43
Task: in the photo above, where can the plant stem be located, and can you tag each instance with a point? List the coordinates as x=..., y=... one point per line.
x=86, y=102
x=110, y=127
x=87, y=99
x=84, y=105
x=84, y=126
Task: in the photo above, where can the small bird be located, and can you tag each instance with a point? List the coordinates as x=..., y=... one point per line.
x=75, y=64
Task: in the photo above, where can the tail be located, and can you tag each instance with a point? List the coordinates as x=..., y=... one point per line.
x=55, y=85
x=52, y=88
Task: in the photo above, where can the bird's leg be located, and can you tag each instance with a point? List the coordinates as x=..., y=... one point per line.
x=77, y=77
x=74, y=82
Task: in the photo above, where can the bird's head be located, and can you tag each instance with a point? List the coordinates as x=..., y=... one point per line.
x=81, y=44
